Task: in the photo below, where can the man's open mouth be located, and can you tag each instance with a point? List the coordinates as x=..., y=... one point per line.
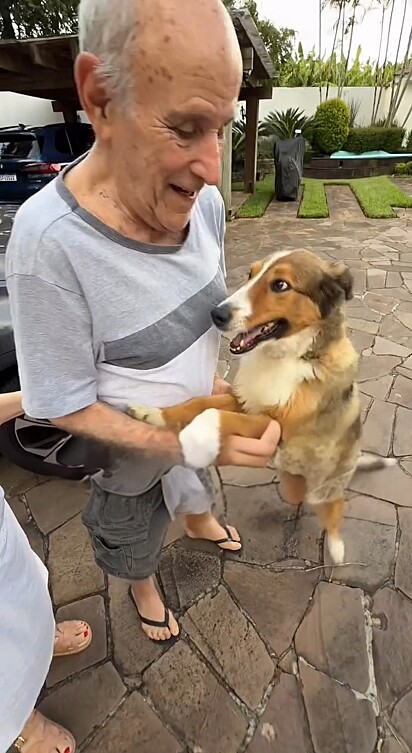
x=246, y=341
x=183, y=191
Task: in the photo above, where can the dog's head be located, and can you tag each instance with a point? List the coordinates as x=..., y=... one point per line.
x=287, y=294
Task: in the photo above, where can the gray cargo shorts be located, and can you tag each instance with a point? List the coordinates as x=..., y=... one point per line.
x=127, y=533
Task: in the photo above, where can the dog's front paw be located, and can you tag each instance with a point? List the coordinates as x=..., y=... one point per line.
x=153, y=416
x=200, y=440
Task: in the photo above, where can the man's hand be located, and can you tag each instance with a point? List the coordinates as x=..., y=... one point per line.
x=255, y=453
x=220, y=386
x=10, y=406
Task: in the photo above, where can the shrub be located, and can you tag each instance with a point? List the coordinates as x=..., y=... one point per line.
x=283, y=124
x=331, y=125
x=403, y=168
x=409, y=142
x=374, y=138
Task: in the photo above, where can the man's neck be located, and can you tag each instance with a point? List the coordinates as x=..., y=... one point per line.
x=94, y=191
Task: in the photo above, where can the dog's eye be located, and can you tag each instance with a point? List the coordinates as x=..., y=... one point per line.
x=279, y=286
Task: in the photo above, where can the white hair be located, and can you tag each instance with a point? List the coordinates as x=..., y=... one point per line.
x=106, y=28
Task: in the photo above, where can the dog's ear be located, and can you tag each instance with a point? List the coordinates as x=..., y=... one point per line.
x=336, y=284
x=256, y=267
x=343, y=277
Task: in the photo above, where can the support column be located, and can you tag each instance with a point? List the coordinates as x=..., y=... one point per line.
x=251, y=142
x=226, y=182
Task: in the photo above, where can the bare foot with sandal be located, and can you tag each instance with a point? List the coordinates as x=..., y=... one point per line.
x=157, y=621
x=39, y=734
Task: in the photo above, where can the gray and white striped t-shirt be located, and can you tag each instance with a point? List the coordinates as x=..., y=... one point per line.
x=97, y=315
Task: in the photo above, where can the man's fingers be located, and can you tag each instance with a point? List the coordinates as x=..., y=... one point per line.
x=255, y=453
x=263, y=447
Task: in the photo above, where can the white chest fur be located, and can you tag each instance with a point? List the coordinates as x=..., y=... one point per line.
x=264, y=381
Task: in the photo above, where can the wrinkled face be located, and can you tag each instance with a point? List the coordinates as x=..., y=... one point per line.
x=286, y=295
x=172, y=145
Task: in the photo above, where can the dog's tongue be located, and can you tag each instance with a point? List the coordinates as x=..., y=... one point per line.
x=245, y=338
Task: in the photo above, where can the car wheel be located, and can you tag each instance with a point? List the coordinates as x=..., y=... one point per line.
x=40, y=447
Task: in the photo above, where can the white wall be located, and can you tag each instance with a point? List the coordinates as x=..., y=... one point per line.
x=17, y=108
x=32, y=111
x=307, y=99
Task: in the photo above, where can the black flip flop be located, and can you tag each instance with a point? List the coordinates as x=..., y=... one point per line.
x=156, y=623
x=229, y=538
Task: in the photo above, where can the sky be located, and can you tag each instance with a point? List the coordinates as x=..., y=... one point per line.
x=303, y=15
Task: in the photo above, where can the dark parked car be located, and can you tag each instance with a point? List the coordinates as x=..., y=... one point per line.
x=31, y=157
x=37, y=446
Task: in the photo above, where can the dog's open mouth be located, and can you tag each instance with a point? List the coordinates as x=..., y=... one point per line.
x=246, y=341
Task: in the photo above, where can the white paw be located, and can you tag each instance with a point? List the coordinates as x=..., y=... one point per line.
x=200, y=440
x=144, y=413
x=336, y=549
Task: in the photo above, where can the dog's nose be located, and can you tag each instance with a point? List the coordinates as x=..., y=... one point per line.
x=221, y=315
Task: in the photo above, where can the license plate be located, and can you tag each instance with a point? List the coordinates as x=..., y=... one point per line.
x=8, y=178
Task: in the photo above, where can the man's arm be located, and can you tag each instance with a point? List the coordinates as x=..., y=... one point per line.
x=106, y=425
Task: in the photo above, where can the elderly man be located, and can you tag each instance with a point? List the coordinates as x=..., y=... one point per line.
x=113, y=268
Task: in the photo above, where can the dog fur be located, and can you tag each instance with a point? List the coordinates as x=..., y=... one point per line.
x=300, y=370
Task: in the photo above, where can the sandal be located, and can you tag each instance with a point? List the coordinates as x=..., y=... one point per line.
x=155, y=623
x=72, y=637
x=42, y=736
x=221, y=542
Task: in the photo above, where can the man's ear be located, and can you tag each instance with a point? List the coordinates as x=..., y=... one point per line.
x=255, y=269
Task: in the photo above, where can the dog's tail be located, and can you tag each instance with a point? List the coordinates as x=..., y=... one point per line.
x=367, y=462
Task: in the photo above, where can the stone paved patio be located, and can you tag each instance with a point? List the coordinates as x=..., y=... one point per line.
x=279, y=652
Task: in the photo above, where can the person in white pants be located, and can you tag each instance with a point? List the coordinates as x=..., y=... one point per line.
x=29, y=637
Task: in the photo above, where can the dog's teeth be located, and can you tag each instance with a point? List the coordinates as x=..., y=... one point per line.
x=242, y=342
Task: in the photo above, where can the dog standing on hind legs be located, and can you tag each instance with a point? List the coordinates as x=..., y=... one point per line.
x=298, y=367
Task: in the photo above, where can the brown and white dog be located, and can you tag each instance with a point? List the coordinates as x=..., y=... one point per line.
x=298, y=367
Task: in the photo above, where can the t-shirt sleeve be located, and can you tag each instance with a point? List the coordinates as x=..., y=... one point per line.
x=54, y=346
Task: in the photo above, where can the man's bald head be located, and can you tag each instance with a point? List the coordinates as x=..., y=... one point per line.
x=131, y=38
x=159, y=81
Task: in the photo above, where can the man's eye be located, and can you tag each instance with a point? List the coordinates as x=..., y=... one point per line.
x=184, y=134
x=279, y=286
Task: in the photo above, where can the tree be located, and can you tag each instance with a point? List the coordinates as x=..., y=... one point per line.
x=278, y=42
x=35, y=18
x=375, y=112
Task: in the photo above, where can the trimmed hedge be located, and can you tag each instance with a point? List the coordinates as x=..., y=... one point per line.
x=374, y=138
x=332, y=120
x=403, y=168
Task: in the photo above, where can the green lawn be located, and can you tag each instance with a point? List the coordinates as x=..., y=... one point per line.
x=376, y=196
x=313, y=204
x=257, y=203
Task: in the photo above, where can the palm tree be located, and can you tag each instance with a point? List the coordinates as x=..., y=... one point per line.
x=320, y=51
x=339, y=4
x=385, y=60
x=397, y=57
x=404, y=78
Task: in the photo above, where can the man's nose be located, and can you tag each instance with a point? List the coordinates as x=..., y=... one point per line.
x=222, y=315
x=208, y=162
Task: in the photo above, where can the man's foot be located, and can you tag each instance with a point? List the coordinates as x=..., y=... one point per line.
x=150, y=607
x=207, y=527
x=39, y=735
x=71, y=638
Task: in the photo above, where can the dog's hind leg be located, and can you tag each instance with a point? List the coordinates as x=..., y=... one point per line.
x=330, y=516
x=292, y=488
